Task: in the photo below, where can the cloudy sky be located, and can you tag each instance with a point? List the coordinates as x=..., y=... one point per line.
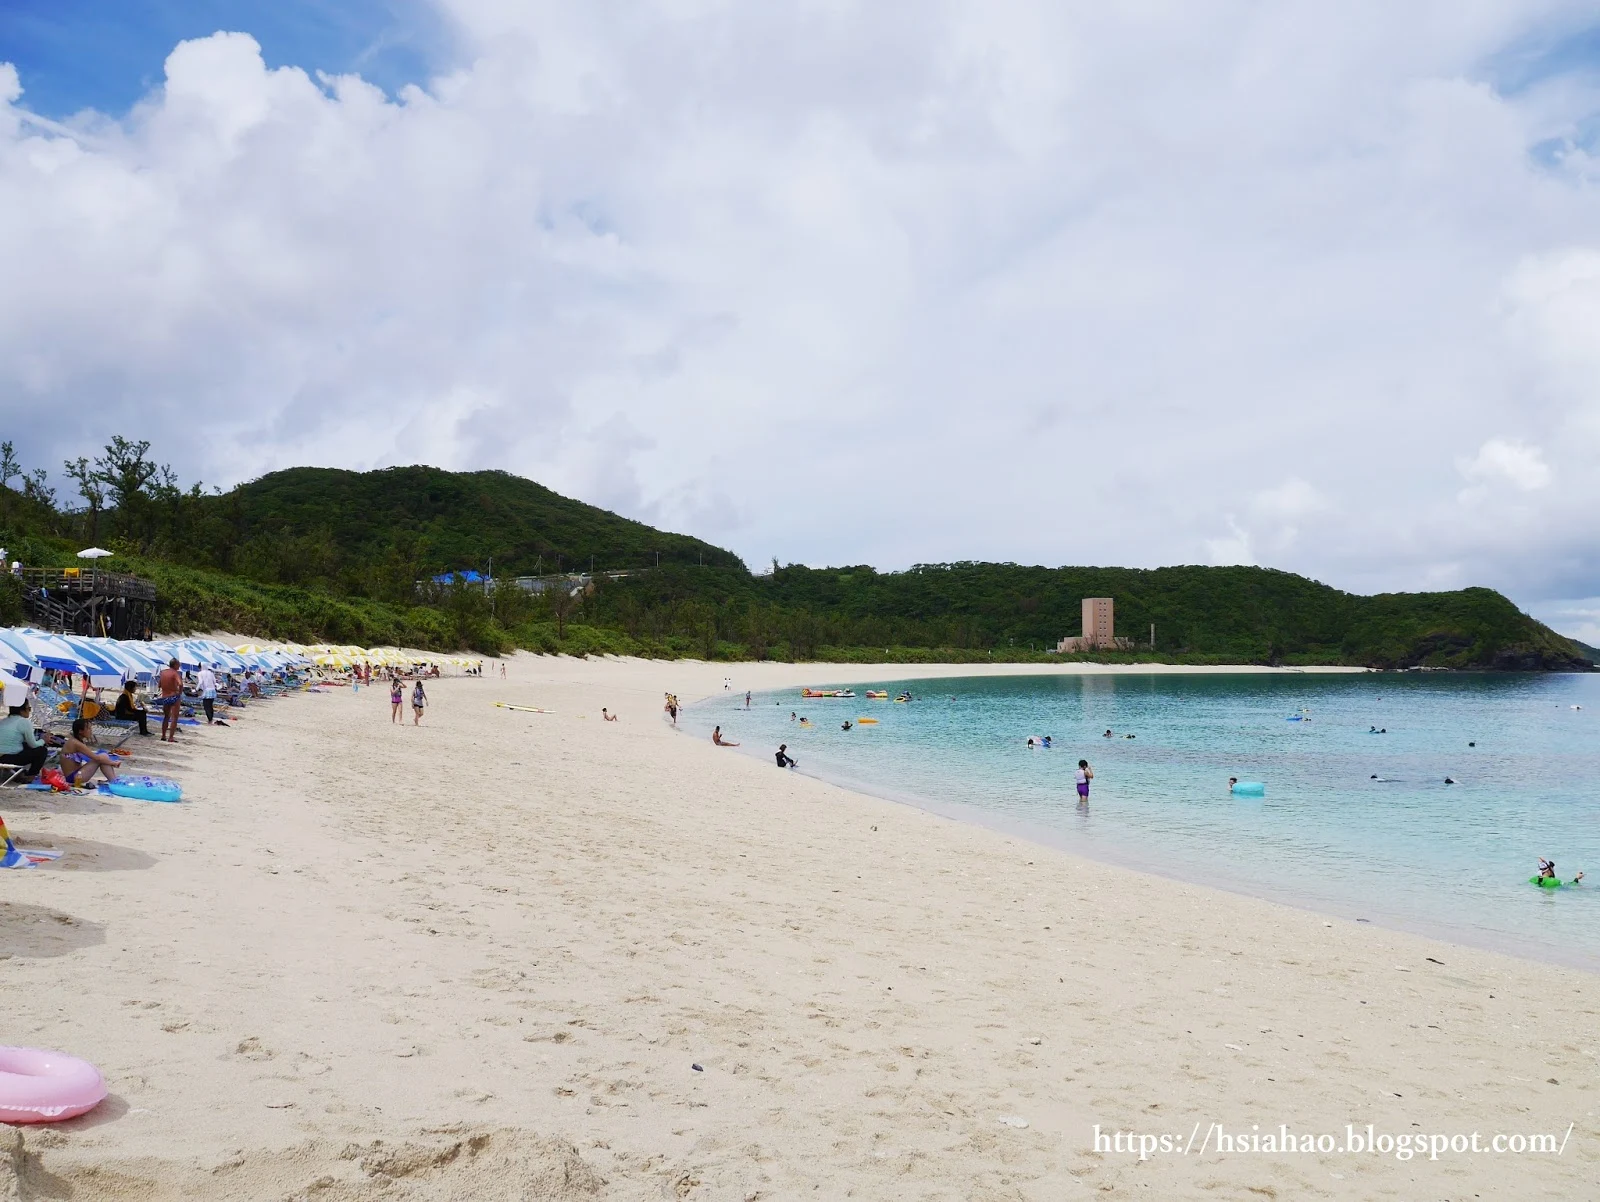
x=1315, y=286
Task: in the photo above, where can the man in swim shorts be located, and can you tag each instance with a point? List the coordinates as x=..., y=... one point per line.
x=170, y=684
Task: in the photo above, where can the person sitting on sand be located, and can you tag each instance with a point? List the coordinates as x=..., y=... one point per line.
x=128, y=708
x=607, y=715
x=783, y=757
x=716, y=737
x=19, y=744
x=81, y=759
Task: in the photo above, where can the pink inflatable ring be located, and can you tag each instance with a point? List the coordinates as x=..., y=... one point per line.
x=45, y=1087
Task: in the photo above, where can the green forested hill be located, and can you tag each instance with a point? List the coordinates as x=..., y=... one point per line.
x=1204, y=614
x=314, y=553
x=312, y=523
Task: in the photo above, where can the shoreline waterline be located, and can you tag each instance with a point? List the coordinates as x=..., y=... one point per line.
x=1309, y=892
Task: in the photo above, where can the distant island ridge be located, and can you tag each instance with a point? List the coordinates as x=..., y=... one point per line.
x=421, y=557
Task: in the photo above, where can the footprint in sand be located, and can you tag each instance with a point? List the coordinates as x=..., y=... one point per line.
x=252, y=1048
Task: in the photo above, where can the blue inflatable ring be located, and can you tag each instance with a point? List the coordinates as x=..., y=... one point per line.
x=144, y=788
x=1249, y=788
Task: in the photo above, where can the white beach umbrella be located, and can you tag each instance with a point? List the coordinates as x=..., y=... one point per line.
x=144, y=655
x=94, y=553
x=60, y=654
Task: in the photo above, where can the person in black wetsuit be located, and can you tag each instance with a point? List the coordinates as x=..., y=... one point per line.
x=783, y=757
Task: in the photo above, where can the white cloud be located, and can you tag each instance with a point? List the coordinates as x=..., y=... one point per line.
x=1231, y=548
x=865, y=281
x=1503, y=461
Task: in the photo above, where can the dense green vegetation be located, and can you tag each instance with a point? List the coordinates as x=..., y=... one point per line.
x=322, y=554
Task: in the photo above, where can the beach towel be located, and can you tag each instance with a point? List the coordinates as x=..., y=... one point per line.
x=21, y=857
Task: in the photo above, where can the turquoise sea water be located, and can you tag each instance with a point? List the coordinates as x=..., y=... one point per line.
x=1405, y=850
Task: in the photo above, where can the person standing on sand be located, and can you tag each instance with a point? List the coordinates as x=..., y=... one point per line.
x=747, y=699
x=419, y=700
x=1083, y=776
x=397, y=698
x=170, y=682
x=207, y=683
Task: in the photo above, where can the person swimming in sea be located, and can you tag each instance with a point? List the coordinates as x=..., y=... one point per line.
x=1107, y=735
x=847, y=725
x=1547, y=869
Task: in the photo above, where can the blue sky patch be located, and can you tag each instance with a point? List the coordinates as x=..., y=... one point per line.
x=107, y=54
x=1531, y=61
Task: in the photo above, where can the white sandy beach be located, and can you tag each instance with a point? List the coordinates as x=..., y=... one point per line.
x=480, y=960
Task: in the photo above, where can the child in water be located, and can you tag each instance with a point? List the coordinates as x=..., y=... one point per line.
x=1083, y=776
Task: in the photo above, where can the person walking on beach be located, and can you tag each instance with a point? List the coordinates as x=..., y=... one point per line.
x=419, y=700
x=397, y=698
x=672, y=708
x=1083, y=776
x=747, y=699
x=207, y=683
x=170, y=683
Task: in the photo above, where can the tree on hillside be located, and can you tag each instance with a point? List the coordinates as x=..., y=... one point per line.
x=35, y=486
x=127, y=475
x=90, y=489
x=562, y=603
x=9, y=467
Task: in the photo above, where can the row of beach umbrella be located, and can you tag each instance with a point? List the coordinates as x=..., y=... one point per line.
x=27, y=653
x=330, y=655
